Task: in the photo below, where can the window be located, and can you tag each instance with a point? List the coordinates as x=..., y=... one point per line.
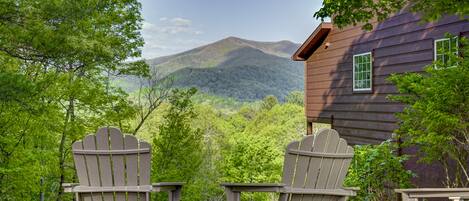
x=362, y=69
x=443, y=48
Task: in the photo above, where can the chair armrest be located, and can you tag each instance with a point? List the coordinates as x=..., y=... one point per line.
x=167, y=186
x=254, y=187
x=68, y=187
x=433, y=192
x=405, y=190
x=107, y=189
x=335, y=192
x=351, y=188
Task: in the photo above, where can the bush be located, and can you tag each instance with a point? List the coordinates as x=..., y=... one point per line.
x=376, y=170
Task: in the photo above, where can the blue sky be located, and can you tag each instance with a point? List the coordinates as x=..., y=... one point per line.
x=173, y=26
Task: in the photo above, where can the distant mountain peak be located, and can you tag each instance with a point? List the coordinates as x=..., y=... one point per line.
x=215, y=53
x=253, y=42
x=235, y=67
x=232, y=38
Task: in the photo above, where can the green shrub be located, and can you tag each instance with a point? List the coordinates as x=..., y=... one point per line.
x=376, y=170
x=436, y=117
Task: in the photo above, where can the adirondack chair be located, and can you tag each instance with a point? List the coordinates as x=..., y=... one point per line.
x=111, y=166
x=414, y=194
x=314, y=170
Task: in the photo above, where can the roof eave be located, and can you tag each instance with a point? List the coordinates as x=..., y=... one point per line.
x=313, y=42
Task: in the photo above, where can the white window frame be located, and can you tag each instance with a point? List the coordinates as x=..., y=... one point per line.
x=435, y=49
x=371, y=72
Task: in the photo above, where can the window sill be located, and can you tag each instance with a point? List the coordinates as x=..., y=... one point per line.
x=369, y=91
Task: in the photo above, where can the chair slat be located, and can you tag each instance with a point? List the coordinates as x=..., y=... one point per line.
x=289, y=165
x=144, y=165
x=336, y=165
x=102, y=143
x=118, y=165
x=130, y=142
x=92, y=163
x=80, y=164
x=82, y=173
x=302, y=165
x=335, y=169
x=344, y=169
x=319, y=146
x=326, y=166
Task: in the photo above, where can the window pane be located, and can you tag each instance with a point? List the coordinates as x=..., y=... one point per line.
x=362, y=71
x=439, y=47
x=447, y=45
x=445, y=58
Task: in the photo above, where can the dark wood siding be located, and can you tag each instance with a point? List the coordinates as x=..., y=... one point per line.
x=400, y=44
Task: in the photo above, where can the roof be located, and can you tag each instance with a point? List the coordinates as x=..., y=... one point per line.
x=313, y=42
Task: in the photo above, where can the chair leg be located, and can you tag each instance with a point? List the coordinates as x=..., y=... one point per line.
x=283, y=197
x=77, y=196
x=232, y=195
x=175, y=195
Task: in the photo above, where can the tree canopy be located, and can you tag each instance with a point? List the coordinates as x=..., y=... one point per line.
x=354, y=12
x=57, y=59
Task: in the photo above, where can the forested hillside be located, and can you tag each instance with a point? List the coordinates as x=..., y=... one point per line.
x=247, y=74
x=241, y=142
x=232, y=67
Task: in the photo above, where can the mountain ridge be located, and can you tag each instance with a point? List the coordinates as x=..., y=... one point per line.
x=213, y=54
x=233, y=67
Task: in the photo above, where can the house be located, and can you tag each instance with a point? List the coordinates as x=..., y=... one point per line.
x=346, y=73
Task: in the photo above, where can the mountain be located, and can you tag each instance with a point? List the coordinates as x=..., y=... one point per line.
x=235, y=67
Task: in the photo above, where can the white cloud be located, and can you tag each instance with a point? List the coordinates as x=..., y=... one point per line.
x=181, y=22
x=171, y=26
x=169, y=36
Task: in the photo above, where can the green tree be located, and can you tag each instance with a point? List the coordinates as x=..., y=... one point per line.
x=269, y=102
x=295, y=97
x=346, y=12
x=251, y=159
x=436, y=118
x=178, y=147
x=376, y=170
x=60, y=55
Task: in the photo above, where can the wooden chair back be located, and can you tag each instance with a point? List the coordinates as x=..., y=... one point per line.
x=110, y=159
x=319, y=161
